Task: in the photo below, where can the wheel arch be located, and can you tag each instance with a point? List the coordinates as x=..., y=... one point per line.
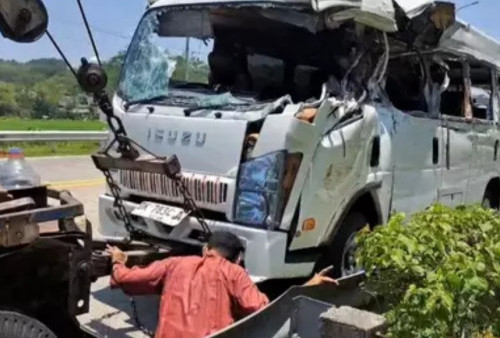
x=365, y=201
x=493, y=188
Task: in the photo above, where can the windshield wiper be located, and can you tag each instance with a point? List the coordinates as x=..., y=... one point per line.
x=190, y=85
x=188, y=111
x=153, y=99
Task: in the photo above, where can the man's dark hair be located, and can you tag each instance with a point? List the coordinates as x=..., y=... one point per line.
x=227, y=244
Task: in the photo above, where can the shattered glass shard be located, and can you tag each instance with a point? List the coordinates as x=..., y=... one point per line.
x=148, y=69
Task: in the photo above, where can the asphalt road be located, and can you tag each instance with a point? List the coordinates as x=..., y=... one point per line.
x=76, y=174
x=110, y=310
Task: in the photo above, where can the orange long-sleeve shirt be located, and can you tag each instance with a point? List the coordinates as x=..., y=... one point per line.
x=198, y=294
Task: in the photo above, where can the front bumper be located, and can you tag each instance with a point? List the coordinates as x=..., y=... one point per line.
x=265, y=250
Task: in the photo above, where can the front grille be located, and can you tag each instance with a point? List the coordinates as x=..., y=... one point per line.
x=204, y=189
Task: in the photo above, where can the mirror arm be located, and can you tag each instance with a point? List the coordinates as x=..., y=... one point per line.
x=89, y=32
x=63, y=56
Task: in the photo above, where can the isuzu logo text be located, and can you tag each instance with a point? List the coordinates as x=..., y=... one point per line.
x=173, y=137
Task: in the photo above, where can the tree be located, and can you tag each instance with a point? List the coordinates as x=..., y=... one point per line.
x=43, y=108
x=7, y=99
x=113, y=69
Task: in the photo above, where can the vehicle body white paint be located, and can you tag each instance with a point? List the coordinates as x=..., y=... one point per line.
x=335, y=167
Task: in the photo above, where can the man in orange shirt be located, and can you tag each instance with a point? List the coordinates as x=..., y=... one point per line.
x=198, y=294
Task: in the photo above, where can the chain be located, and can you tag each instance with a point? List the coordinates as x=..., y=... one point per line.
x=126, y=149
x=137, y=319
x=190, y=205
x=118, y=204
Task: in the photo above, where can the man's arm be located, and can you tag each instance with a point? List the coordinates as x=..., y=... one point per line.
x=137, y=280
x=245, y=292
x=250, y=299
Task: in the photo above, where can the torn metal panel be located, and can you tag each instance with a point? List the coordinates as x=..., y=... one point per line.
x=374, y=13
x=299, y=19
x=161, y=3
x=462, y=38
x=379, y=14
x=413, y=8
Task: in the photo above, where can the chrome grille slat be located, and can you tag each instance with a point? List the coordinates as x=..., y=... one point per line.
x=204, y=189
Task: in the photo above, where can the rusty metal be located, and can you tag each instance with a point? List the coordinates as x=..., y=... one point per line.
x=80, y=274
x=47, y=274
x=4, y=195
x=20, y=204
x=18, y=230
x=148, y=164
x=69, y=208
x=38, y=194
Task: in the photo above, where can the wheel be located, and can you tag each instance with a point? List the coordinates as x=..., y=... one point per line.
x=489, y=200
x=13, y=324
x=341, y=253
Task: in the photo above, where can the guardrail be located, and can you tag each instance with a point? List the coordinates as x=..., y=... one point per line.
x=53, y=136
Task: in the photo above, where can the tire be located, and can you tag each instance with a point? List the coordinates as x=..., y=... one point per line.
x=340, y=253
x=16, y=325
x=489, y=200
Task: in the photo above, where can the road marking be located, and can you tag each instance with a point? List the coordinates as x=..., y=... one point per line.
x=76, y=183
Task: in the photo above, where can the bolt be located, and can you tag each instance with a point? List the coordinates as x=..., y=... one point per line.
x=83, y=269
x=24, y=16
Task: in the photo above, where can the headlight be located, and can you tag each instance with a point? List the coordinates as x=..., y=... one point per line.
x=262, y=194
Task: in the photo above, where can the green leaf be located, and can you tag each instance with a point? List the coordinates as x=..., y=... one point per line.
x=417, y=270
x=480, y=266
x=486, y=227
x=454, y=280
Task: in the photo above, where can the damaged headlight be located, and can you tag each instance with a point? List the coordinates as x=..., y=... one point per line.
x=264, y=188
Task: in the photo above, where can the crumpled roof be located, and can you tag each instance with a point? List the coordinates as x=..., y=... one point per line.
x=379, y=14
x=465, y=39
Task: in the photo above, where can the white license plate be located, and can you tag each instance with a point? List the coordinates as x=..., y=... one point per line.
x=161, y=213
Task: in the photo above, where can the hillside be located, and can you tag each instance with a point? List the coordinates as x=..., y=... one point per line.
x=45, y=88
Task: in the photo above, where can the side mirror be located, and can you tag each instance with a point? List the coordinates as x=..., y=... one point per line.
x=23, y=20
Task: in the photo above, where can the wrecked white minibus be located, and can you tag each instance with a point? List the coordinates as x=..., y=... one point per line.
x=297, y=123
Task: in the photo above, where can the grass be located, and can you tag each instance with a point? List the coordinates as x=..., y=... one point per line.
x=16, y=124
x=37, y=149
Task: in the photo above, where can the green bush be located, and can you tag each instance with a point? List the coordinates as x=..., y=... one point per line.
x=439, y=272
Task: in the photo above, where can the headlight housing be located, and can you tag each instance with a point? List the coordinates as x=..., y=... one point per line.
x=262, y=190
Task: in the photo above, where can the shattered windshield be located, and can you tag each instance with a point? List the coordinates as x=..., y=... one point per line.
x=232, y=56
x=158, y=62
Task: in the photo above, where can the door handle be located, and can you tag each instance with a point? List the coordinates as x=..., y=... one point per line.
x=375, y=156
x=495, y=153
x=435, y=150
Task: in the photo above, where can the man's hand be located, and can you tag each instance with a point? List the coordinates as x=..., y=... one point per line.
x=321, y=278
x=117, y=256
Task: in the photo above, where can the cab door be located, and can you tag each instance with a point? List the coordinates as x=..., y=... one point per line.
x=416, y=137
x=487, y=139
x=457, y=136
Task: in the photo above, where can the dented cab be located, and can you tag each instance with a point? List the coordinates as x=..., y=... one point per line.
x=279, y=114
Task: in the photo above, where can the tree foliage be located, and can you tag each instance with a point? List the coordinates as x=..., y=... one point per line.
x=45, y=87
x=439, y=273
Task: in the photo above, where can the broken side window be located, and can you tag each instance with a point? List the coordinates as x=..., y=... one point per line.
x=406, y=83
x=453, y=98
x=481, y=89
x=496, y=97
